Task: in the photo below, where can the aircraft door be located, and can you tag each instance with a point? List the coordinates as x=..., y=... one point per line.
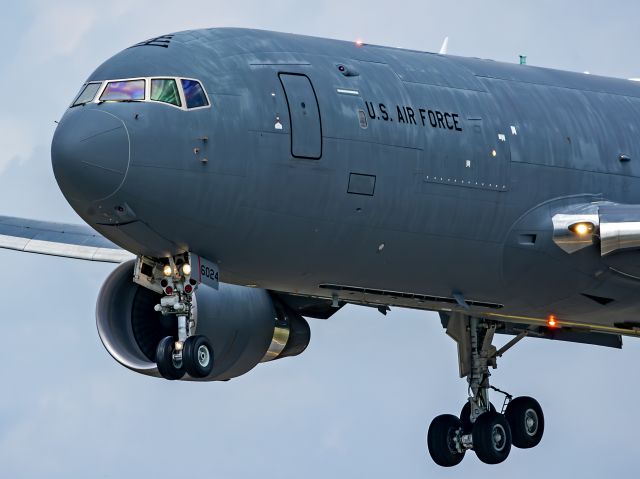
x=304, y=116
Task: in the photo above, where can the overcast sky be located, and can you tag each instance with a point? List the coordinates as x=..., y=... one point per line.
x=358, y=402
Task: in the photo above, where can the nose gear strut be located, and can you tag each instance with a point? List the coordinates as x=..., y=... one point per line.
x=187, y=353
x=480, y=427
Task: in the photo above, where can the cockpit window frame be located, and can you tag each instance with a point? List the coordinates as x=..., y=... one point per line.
x=82, y=90
x=178, y=89
x=206, y=96
x=147, y=91
x=106, y=84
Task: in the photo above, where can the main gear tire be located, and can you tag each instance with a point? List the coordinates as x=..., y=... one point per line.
x=465, y=417
x=526, y=421
x=491, y=438
x=441, y=440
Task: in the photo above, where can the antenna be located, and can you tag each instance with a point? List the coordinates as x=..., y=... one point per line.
x=445, y=46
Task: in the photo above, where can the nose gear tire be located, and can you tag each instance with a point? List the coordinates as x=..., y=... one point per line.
x=197, y=356
x=491, y=438
x=168, y=367
x=441, y=440
x=526, y=420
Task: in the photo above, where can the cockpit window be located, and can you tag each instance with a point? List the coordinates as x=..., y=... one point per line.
x=182, y=93
x=166, y=91
x=87, y=94
x=127, y=90
x=194, y=94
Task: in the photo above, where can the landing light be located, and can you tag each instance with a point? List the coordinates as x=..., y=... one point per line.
x=582, y=229
x=167, y=270
x=186, y=269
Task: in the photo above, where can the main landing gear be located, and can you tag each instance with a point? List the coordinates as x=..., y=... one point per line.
x=187, y=353
x=480, y=426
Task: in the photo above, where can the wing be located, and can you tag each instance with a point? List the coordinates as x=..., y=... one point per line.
x=59, y=239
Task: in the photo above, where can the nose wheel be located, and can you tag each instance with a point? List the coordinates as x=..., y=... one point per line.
x=480, y=427
x=197, y=356
x=169, y=362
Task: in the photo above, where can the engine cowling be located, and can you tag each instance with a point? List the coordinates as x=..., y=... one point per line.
x=246, y=326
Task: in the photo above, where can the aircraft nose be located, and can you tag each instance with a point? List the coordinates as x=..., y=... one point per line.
x=90, y=154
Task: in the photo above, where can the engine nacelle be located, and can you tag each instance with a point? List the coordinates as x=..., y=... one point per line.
x=245, y=326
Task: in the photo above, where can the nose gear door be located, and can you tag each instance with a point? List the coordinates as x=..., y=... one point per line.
x=304, y=115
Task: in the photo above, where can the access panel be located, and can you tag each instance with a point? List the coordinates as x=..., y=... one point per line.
x=304, y=115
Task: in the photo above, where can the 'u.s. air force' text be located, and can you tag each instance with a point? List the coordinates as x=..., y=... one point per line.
x=420, y=116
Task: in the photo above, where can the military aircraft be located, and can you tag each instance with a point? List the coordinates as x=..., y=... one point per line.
x=245, y=180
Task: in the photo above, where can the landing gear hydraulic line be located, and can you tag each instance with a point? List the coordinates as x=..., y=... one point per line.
x=480, y=427
x=187, y=352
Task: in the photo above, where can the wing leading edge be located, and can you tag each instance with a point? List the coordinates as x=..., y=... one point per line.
x=59, y=239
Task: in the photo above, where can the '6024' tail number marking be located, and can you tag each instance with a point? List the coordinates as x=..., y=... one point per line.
x=207, y=272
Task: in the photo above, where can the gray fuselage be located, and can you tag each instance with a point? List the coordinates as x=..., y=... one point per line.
x=376, y=175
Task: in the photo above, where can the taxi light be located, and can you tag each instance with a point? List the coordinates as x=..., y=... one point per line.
x=167, y=270
x=178, y=346
x=582, y=228
x=552, y=322
x=186, y=269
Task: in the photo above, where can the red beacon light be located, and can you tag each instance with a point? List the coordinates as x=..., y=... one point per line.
x=359, y=42
x=552, y=322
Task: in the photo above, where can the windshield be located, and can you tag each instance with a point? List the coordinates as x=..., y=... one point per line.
x=194, y=94
x=127, y=90
x=182, y=93
x=87, y=94
x=166, y=91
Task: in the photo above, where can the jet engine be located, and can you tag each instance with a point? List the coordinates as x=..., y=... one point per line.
x=246, y=326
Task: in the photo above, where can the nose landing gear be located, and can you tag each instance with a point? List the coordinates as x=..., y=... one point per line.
x=480, y=427
x=188, y=353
